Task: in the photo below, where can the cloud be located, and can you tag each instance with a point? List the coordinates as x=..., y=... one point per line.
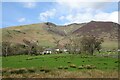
x=86, y=17
x=87, y=1
x=47, y=14
x=20, y=0
x=79, y=4
x=29, y=4
x=79, y=11
x=21, y=19
x=59, y=0
x=61, y=17
x=102, y=16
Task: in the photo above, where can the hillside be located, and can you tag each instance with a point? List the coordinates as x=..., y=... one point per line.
x=46, y=32
x=103, y=29
x=106, y=30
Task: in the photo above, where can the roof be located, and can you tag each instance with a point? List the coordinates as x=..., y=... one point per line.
x=48, y=49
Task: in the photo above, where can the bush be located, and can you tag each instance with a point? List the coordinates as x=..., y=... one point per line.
x=31, y=70
x=5, y=70
x=17, y=71
x=83, y=61
x=89, y=67
x=68, y=62
x=47, y=70
x=72, y=65
x=65, y=67
x=80, y=67
x=105, y=63
x=29, y=58
x=116, y=61
x=60, y=67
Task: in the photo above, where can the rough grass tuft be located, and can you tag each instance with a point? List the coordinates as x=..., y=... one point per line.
x=72, y=65
x=31, y=70
x=65, y=67
x=60, y=67
x=80, y=67
x=18, y=71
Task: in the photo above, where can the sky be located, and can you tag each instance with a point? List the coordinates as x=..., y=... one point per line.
x=58, y=12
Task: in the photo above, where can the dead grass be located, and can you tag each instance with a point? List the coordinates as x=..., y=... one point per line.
x=61, y=74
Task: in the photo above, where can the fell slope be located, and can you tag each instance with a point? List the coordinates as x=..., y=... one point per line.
x=47, y=32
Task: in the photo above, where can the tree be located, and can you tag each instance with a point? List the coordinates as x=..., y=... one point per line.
x=18, y=49
x=32, y=46
x=69, y=45
x=6, y=48
x=90, y=43
x=98, y=44
x=73, y=45
x=56, y=42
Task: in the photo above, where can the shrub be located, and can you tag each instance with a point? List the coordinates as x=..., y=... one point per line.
x=60, y=67
x=68, y=62
x=31, y=70
x=80, y=67
x=42, y=70
x=116, y=61
x=4, y=71
x=55, y=58
x=17, y=71
x=105, y=63
x=89, y=67
x=47, y=70
x=65, y=67
x=72, y=65
x=29, y=58
x=83, y=61
x=21, y=71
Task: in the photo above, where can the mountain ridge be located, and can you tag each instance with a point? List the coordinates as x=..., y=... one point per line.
x=47, y=31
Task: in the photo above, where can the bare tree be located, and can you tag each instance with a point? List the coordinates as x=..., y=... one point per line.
x=90, y=43
x=6, y=48
x=73, y=45
x=85, y=44
x=32, y=46
x=56, y=42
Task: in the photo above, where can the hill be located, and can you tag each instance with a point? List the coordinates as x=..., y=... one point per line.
x=47, y=32
x=103, y=29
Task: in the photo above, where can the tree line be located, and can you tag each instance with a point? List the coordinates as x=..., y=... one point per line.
x=86, y=44
x=76, y=45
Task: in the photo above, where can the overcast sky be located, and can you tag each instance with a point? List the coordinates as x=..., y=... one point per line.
x=59, y=12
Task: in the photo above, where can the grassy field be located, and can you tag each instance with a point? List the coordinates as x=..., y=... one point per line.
x=62, y=63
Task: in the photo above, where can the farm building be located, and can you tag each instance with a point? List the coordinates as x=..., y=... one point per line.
x=47, y=51
x=64, y=50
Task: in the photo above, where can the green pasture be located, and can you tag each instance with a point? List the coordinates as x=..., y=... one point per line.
x=54, y=61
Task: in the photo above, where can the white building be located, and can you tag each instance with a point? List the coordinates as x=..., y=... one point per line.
x=57, y=50
x=118, y=50
x=47, y=51
x=64, y=50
